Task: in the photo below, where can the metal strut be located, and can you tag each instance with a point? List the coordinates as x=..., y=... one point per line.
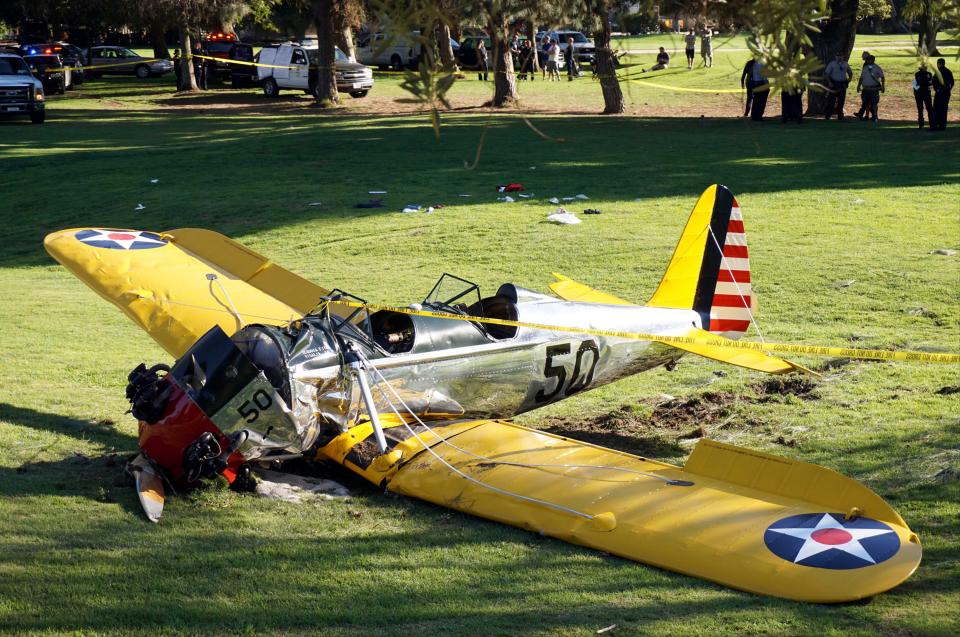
x=358, y=369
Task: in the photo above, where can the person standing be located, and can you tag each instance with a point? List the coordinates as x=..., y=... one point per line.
x=871, y=83
x=791, y=105
x=922, y=80
x=199, y=66
x=482, y=60
x=571, y=59
x=691, y=41
x=942, y=86
x=544, y=54
x=746, y=82
x=838, y=75
x=706, y=46
x=761, y=90
x=553, y=61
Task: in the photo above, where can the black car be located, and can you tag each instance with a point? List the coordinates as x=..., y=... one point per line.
x=71, y=55
x=239, y=75
x=50, y=71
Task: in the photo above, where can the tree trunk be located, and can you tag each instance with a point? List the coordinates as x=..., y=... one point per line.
x=344, y=38
x=504, y=79
x=326, y=90
x=534, y=64
x=606, y=71
x=446, y=48
x=158, y=41
x=927, y=38
x=836, y=35
x=186, y=81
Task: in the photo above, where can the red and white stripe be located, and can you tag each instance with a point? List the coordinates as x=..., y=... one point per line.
x=732, y=298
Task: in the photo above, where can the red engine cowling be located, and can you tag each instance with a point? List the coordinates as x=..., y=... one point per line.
x=183, y=423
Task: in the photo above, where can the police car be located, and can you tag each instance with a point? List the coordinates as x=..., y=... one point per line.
x=20, y=92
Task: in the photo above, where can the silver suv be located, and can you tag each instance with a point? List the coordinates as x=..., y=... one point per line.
x=20, y=92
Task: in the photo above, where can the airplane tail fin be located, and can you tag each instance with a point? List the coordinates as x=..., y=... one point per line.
x=710, y=268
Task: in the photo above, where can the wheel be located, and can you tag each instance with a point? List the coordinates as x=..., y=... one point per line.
x=358, y=94
x=142, y=71
x=37, y=117
x=396, y=63
x=270, y=88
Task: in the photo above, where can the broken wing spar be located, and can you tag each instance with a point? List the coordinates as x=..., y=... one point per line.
x=410, y=399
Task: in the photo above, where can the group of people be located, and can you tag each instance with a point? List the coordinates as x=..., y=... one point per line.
x=706, y=50
x=548, y=55
x=201, y=69
x=837, y=77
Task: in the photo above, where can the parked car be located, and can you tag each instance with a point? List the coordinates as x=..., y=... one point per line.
x=119, y=60
x=71, y=55
x=298, y=66
x=584, y=49
x=388, y=50
x=49, y=69
x=20, y=92
x=227, y=47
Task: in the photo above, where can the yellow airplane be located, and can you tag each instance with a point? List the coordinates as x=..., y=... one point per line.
x=272, y=367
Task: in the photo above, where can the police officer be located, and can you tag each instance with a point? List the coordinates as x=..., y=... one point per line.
x=942, y=85
x=199, y=66
x=922, y=80
x=838, y=76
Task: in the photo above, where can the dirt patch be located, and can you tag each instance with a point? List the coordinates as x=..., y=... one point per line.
x=681, y=413
x=781, y=386
x=622, y=430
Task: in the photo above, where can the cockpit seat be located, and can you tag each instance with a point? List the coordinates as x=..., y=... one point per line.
x=497, y=307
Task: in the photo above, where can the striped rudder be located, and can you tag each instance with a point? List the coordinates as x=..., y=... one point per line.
x=710, y=269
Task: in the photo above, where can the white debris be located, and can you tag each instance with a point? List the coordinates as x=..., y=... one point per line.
x=464, y=195
x=429, y=209
x=410, y=207
x=140, y=206
x=582, y=196
x=297, y=489
x=946, y=252
x=844, y=284
x=154, y=181
x=506, y=199
x=315, y=203
x=553, y=200
x=376, y=192
x=526, y=196
x=533, y=167
x=857, y=201
x=569, y=198
x=561, y=216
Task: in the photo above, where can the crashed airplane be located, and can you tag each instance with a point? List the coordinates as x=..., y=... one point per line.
x=270, y=367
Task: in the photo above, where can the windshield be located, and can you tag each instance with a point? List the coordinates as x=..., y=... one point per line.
x=13, y=66
x=219, y=47
x=577, y=37
x=314, y=56
x=451, y=293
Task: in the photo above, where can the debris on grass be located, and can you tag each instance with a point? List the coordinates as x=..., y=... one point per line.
x=783, y=386
x=946, y=252
x=561, y=216
x=844, y=284
x=948, y=390
x=607, y=629
x=922, y=311
x=140, y=206
x=288, y=487
x=791, y=442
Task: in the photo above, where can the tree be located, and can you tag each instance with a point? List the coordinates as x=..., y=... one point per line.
x=606, y=69
x=834, y=35
x=929, y=14
x=324, y=19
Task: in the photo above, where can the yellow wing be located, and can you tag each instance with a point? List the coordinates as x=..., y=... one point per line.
x=570, y=290
x=177, y=285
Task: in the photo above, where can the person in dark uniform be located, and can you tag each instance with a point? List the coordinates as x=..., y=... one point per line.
x=176, y=66
x=199, y=66
x=922, y=80
x=942, y=85
x=761, y=90
x=746, y=82
x=791, y=105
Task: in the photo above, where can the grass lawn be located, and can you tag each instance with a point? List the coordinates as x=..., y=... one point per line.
x=842, y=221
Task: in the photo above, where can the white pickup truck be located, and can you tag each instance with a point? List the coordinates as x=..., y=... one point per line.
x=295, y=66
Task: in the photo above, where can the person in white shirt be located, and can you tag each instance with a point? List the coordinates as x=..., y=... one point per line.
x=871, y=83
x=838, y=76
x=691, y=41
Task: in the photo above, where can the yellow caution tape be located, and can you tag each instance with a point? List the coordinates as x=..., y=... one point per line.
x=684, y=89
x=777, y=348
x=103, y=66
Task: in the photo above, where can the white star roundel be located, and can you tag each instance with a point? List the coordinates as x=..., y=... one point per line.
x=827, y=540
x=120, y=239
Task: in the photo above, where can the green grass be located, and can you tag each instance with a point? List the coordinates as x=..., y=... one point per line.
x=823, y=204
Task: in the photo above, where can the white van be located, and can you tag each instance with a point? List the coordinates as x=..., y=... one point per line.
x=389, y=50
x=295, y=66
